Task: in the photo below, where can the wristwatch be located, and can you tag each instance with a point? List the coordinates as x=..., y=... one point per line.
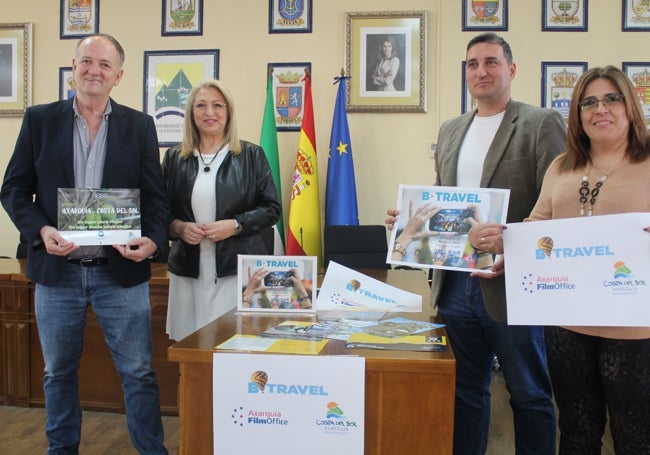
x=238, y=227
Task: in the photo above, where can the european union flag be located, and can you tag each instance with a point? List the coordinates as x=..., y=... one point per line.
x=341, y=192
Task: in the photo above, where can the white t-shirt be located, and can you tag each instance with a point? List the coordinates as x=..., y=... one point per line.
x=474, y=148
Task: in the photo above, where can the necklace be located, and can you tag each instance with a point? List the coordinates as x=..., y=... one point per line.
x=590, y=195
x=207, y=165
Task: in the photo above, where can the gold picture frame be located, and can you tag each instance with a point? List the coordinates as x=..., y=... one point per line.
x=380, y=82
x=15, y=68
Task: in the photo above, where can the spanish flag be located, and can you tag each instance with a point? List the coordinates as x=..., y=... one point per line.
x=304, y=234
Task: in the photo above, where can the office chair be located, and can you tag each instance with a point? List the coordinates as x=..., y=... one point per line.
x=356, y=247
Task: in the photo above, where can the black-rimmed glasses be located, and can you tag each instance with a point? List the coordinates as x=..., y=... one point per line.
x=591, y=102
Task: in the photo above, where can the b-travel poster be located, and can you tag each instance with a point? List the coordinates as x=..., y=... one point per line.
x=584, y=271
x=441, y=242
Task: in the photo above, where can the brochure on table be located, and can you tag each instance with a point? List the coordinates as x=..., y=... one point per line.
x=254, y=343
x=344, y=288
x=99, y=216
x=591, y=271
x=288, y=404
x=444, y=243
x=276, y=281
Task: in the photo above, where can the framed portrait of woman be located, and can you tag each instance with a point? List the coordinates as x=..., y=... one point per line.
x=385, y=58
x=15, y=69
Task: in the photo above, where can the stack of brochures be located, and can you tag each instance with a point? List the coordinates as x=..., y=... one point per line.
x=398, y=334
x=301, y=330
x=405, y=343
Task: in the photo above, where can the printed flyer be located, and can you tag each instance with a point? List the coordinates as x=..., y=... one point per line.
x=346, y=290
x=277, y=283
x=99, y=216
x=587, y=271
x=440, y=218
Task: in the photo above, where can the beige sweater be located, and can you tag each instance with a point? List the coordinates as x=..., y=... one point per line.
x=627, y=189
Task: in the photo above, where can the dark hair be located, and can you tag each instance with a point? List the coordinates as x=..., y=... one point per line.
x=492, y=38
x=114, y=42
x=392, y=42
x=579, y=144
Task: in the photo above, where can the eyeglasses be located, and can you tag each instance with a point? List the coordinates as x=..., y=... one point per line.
x=203, y=107
x=591, y=102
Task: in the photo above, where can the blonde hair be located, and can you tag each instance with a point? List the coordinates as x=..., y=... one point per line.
x=191, y=136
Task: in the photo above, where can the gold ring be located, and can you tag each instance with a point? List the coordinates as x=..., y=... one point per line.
x=482, y=239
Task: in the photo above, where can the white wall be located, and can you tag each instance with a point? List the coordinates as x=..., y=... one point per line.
x=388, y=148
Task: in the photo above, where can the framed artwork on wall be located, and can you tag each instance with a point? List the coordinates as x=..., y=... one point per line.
x=636, y=16
x=15, y=69
x=288, y=93
x=182, y=17
x=482, y=15
x=558, y=81
x=79, y=18
x=290, y=16
x=639, y=74
x=168, y=78
x=467, y=101
x=385, y=56
x=67, y=84
x=564, y=15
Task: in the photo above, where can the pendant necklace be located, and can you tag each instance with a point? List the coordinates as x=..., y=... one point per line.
x=590, y=195
x=207, y=165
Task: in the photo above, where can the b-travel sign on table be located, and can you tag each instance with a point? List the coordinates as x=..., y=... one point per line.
x=587, y=271
x=288, y=404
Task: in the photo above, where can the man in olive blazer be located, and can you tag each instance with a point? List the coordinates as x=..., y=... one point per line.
x=501, y=144
x=528, y=139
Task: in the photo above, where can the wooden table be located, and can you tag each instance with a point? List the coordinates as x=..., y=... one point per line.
x=409, y=402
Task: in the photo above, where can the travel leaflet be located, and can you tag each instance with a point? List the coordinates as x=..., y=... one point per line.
x=443, y=243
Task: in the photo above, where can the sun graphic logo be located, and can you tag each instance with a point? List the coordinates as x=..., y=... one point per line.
x=527, y=283
x=621, y=270
x=334, y=411
x=237, y=416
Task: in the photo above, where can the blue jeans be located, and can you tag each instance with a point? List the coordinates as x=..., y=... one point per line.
x=475, y=338
x=124, y=315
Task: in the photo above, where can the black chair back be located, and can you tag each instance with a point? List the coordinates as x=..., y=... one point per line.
x=356, y=247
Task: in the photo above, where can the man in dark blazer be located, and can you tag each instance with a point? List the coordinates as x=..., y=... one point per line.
x=501, y=144
x=90, y=141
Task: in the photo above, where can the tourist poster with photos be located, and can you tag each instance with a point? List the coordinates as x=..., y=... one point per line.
x=275, y=284
x=442, y=241
x=288, y=404
x=584, y=271
x=99, y=216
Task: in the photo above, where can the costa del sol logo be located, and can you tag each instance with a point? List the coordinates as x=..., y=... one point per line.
x=621, y=270
x=335, y=421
